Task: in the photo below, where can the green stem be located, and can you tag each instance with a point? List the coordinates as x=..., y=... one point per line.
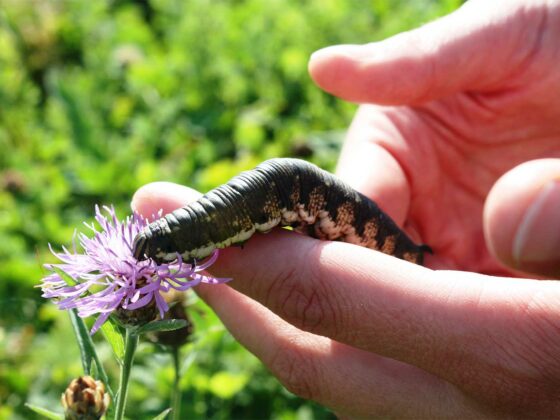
x=176, y=398
x=130, y=344
x=87, y=349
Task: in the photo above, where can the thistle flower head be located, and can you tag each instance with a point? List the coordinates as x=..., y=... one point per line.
x=105, y=278
x=85, y=398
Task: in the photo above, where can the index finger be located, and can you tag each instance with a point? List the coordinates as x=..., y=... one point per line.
x=463, y=327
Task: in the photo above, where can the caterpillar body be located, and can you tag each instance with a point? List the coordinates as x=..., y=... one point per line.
x=278, y=192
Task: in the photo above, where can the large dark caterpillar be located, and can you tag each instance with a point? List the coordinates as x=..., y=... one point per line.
x=286, y=192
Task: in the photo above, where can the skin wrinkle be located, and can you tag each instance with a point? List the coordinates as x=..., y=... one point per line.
x=536, y=46
x=387, y=405
x=307, y=303
x=486, y=383
x=546, y=329
x=281, y=285
x=504, y=364
x=465, y=183
x=342, y=331
x=471, y=380
x=297, y=370
x=312, y=313
x=478, y=102
x=447, y=164
x=457, y=361
x=430, y=69
x=512, y=55
x=464, y=374
x=329, y=389
x=296, y=301
x=379, y=336
x=485, y=339
x=340, y=309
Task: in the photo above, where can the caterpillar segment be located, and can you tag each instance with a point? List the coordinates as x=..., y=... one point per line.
x=278, y=192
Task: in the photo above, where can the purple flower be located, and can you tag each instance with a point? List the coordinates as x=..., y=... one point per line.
x=106, y=277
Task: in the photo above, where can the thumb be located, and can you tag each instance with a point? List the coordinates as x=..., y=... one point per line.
x=474, y=48
x=521, y=220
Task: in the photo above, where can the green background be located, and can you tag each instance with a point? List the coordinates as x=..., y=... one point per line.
x=100, y=97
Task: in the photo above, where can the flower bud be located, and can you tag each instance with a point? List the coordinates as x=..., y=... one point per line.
x=85, y=399
x=175, y=338
x=136, y=317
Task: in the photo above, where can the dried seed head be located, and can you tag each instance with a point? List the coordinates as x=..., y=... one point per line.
x=85, y=399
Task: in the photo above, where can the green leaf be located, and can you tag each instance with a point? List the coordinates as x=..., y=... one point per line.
x=87, y=349
x=44, y=412
x=162, y=325
x=114, y=337
x=83, y=338
x=162, y=415
x=67, y=278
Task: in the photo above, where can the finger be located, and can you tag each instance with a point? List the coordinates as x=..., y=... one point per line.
x=312, y=367
x=161, y=196
x=475, y=48
x=351, y=294
x=438, y=321
x=484, y=335
x=521, y=220
x=349, y=381
x=366, y=164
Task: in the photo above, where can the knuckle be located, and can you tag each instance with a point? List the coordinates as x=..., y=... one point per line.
x=296, y=370
x=305, y=301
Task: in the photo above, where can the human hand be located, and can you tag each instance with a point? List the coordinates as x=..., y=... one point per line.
x=368, y=335
x=467, y=98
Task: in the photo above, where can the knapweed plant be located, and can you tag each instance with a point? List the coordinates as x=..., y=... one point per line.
x=100, y=277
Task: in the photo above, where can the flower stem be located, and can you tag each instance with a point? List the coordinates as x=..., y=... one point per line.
x=176, y=399
x=131, y=342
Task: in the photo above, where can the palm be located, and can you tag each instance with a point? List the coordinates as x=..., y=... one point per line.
x=455, y=160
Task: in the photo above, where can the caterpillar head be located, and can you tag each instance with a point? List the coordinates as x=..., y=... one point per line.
x=154, y=242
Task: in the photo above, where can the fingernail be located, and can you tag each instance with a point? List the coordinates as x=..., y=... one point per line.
x=537, y=239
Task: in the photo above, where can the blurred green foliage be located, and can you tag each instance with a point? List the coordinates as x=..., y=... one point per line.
x=100, y=97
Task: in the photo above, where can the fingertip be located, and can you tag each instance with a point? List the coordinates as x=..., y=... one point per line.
x=165, y=196
x=212, y=294
x=390, y=72
x=521, y=224
x=333, y=68
x=413, y=67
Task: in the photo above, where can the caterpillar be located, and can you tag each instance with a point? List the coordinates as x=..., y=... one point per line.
x=278, y=192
